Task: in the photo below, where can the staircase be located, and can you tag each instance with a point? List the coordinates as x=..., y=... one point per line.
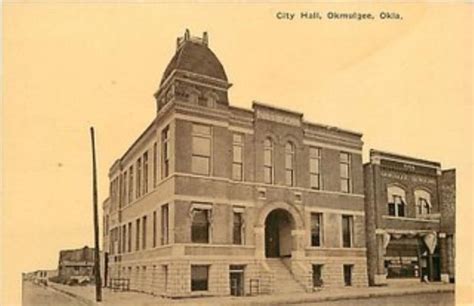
x=284, y=282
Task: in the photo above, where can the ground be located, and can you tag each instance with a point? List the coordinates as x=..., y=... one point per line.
x=427, y=299
x=396, y=293
x=36, y=295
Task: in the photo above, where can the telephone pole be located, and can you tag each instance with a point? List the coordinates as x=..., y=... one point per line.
x=98, y=283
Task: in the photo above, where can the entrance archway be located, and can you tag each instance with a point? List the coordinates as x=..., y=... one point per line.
x=278, y=226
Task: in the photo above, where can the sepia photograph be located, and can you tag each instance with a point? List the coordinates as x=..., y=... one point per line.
x=236, y=153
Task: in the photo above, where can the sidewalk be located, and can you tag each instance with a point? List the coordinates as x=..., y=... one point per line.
x=87, y=295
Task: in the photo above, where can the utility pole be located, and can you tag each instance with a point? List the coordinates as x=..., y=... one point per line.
x=98, y=283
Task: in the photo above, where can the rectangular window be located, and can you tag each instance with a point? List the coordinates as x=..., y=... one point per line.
x=315, y=167
x=348, y=275
x=237, y=157
x=396, y=206
x=130, y=184
x=400, y=205
x=124, y=238
x=155, y=165
x=347, y=230
x=119, y=239
x=145, y=172
x=166, y=152
x=138, y=186
x=316, y=229
x=199, y=278
x=317, y=275
x=106, y=227
x=124, y=188
x=144, y=233
x=129, y=240
x=201, y=146
x=345, y=171
x=268, y=165
x=289, y=164
x=237, y=227
x=165, y=277
x=164, y=224
x=391, y=209
x=200, y=225
x=154, y=229
x=137, y=235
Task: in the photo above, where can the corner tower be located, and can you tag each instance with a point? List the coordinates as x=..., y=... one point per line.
x=194, y=75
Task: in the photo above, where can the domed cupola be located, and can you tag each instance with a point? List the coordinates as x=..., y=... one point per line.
x=194, y=75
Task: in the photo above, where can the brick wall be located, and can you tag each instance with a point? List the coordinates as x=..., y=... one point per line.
x=448, y=201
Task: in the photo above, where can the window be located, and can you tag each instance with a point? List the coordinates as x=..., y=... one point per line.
x=268, y=161
x=289, y=164
x=138, y=180
x=124, y=238
x=345, y=171
x=238, y=223
x=348, y=275
x=137, y=235
x=347, y=229
x=129, y=240
x=144, y=233
x=396, y=201
x=106, y=227
x=130, y=184
x=199, y=278
x=423, y=203
x=165, y=277
x=154, y=229
x=119, y=240
x=200, y=225
x=211, y=98
x=317, y=275
x=237, y=157
x=124, y=188
x=424, y=206
x=315, y=168
x=145, y=172
x=155, y=165
x=164, y=224
x=166, y=152
x=316, y=229
x=201, y=158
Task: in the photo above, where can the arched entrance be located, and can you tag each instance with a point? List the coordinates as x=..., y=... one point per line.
x=278, y=226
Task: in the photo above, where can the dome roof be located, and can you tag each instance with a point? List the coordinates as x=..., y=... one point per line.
x=194, y=55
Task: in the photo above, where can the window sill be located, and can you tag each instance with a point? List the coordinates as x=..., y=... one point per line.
x=410, y=219
x=201, y=293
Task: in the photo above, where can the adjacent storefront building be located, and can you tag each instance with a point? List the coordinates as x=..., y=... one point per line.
x=410, y=218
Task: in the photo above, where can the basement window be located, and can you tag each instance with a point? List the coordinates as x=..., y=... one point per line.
x=199, y=278
x=347, y=275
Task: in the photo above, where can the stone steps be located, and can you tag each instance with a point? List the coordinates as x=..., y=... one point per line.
x=284, y=281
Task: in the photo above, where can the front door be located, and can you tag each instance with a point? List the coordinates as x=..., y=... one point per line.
x=236, y=280
x=272, y=238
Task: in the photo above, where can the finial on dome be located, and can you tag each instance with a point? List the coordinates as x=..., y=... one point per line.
x=205, y=38
x=187, y=34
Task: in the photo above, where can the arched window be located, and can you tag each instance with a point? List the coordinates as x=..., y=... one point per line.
x=211, y=98
x=268, y=161
x=289, y=164
x=396, y=201
x=423, y=202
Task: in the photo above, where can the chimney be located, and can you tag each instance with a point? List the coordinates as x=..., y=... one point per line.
x=205, y=39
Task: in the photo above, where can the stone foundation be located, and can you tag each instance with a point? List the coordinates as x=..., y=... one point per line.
x=173, y=278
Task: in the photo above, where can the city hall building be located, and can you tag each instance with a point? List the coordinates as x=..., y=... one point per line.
x=213, y=199
x=410, y=215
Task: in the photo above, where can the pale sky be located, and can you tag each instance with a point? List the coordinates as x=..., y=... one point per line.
x=406, y=84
